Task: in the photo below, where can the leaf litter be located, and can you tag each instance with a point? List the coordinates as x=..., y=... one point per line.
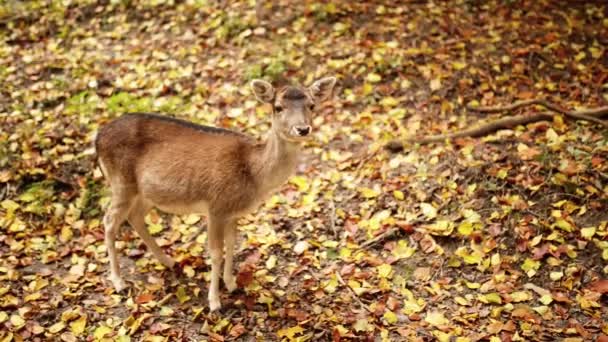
x=500, y=238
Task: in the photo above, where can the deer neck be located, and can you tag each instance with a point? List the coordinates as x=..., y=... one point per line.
x=276, y=162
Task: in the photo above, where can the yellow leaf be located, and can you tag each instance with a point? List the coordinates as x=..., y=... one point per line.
x=9, y=205
x=192, y=219
x=66, y=234
x=462, y=301
x=555, y=276
x=155, y=228
x=493, y=298
x=271, y=262
x=399, y=195
x=546, y=299
x=428, y=210
x=384, y=270
x=403, y=250
x=361, y=325
x=520, y=296
x=134, y=326
x=57, y=327
x=3, y=316
x=373, y=77
x=530, y=266
x=79, y=325
x=587, y=233
x=465, y=228
x=495, y=259
x=368, y=193
x=436, y=319
x=441, y=228
x=290, y=332
x=563, y=224
x=474, y=257
x=389, y=101
x=595, y=52
x=32, y=297
x=435, y=84
x=101, y=332
x=181, y=295
x=17, y=320
x=300, y=182
x=459, y=65
x=390, y=317
x=331, y=285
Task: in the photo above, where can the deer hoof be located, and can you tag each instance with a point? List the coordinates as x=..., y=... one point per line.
x=230, y=283
x=168, y=263
x=214, y=304
x=118, y=282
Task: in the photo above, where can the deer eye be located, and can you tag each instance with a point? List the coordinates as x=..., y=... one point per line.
x=311, y=107
x=278, y=109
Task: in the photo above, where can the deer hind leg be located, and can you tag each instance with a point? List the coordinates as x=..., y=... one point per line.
x=137, y=221
x=113, y=219
x=229, y=242
x=216, y=244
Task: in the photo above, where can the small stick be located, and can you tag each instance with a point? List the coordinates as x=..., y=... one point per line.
x=352, y=292
x=332, y=218
x=379, y=237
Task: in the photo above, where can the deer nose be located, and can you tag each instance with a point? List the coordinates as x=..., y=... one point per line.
x=303, y=130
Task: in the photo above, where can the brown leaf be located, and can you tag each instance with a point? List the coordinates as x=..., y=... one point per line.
x=299, y=315
x=245, y=276
x=427, y=243
x=524, y=312
x=393, y=304
x=237, y=330
x=560, y=297
x=253, y=258
x=600, y=286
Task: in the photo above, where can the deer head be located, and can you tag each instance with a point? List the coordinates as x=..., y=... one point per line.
x=293, y=106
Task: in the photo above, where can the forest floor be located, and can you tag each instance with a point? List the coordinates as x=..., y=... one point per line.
x=498, y=238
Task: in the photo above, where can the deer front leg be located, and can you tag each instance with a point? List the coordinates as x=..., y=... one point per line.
x=216, y=244
x=229, y=242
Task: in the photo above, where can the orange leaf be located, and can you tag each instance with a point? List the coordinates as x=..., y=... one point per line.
x=600, y=286
x=525, y=95
x=144, y=298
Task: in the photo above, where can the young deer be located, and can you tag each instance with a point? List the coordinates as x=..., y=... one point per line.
x=181, y=168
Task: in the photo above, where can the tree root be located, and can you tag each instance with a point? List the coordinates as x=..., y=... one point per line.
x=591, y=115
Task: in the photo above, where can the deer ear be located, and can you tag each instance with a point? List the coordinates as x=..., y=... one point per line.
x=321, y=89
x=262, y=90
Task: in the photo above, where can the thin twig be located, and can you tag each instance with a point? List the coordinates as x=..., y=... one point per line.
x=332, y=218
x=386, y=234
x=352, y=292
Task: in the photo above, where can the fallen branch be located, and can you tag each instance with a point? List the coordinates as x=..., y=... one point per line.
x=585, y=114
x=592, y=115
